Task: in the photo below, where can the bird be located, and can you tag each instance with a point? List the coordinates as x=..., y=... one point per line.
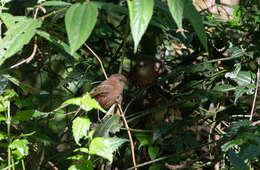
x=145, y=72
x=109, y=91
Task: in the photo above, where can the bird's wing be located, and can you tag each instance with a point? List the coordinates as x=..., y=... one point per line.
x=102, y=90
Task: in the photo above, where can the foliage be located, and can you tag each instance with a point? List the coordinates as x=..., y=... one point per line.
x=196, y=115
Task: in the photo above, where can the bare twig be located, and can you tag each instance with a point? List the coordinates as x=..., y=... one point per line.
x=52, y=165
x=37, y=7
x=101, y=64
x=256, y=89
x=27, y=60
x=129, y=135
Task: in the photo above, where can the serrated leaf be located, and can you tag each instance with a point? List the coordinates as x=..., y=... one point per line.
x=176, y=8
x=80, y=128
x=80, y=20
x=58, y=43
x=153, y=151
x=140, y=13
x=17, y=36
x=20, y=147
x=55, y=3
x=110, y=124
x=193, y=16
x=85, y=102
x=105, y=147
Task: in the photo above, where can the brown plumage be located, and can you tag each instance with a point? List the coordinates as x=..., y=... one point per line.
x=109, y=91
x=145, y=72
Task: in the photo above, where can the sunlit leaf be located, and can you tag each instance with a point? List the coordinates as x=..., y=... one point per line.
x=80, y=20
x=140, y=15
x=55, y=3
x=20, y=147
x=176, y=8
x=85, y=102
x=19, y=33
x=105, y=147
x=80, y=128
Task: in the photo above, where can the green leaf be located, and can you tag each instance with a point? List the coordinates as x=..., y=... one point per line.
x=80, y=20
x=110, y=124
x=193, y=16
x=176, y=8
x=105, y=147
x=55, y=3
x=153, y=151
x=19, y=33
x=86, y=165
x=144, y=139
x=2, y=117
x=140, y=15
x=237, y=162
x=20, y=147
x=23, y=115
x=3, y=135
x=85, y=102
x=80, y=128
x=58, y=43
x=5, y=99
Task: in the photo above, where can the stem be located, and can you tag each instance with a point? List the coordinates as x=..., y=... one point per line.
x=8, y=122
x=129, y=135
x=256, y=89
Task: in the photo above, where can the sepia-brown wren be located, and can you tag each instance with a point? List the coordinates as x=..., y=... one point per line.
x=109, y=91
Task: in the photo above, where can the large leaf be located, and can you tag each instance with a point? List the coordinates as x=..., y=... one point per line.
x=55, y=3
x=20, y=32
x=80, y=127
x=140, y=14
x=176, y=8
x=110, y=124
x=105, y=147
x=193, y=16
x=80, y=20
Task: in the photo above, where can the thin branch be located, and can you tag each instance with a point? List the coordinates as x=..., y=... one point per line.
x=256, y=89
x=129, y=135
x=53, y=13
x=138, y=130
x=27, y=60
x=100, y=62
